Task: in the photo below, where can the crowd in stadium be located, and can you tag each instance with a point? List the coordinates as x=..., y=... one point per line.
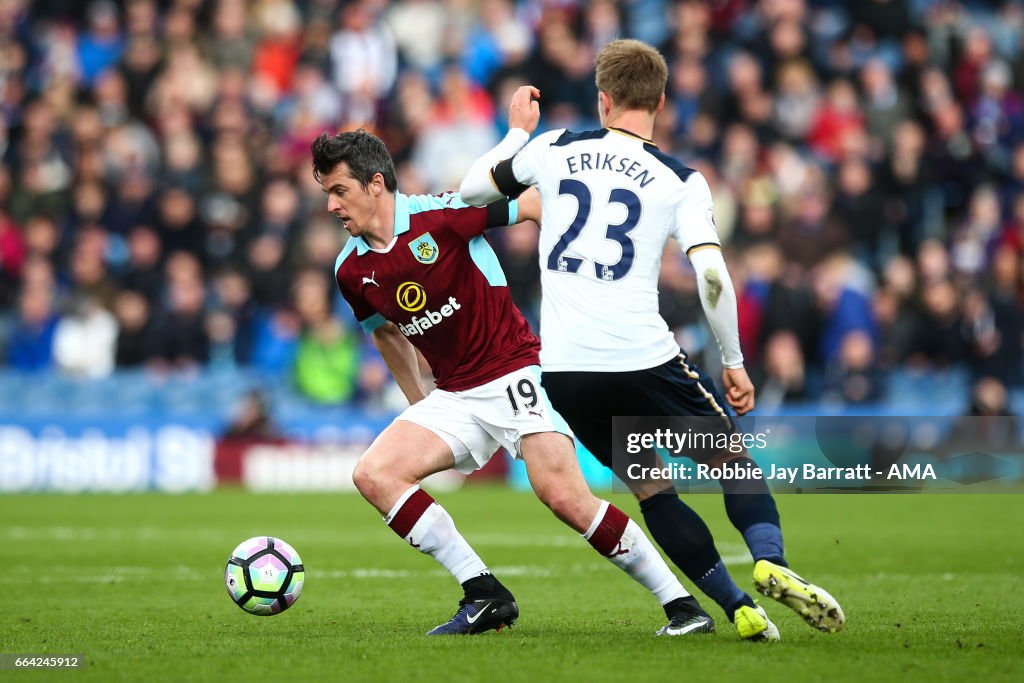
x=157, y=208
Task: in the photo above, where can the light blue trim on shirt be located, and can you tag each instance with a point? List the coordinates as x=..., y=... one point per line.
x=372, y=323
x=402, y=210
x=406, y=206
x=349, y=247
x=401, y=225
x=432, y=202
x=487, y=261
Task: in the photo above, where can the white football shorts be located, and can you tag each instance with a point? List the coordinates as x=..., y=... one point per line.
x=475, y=422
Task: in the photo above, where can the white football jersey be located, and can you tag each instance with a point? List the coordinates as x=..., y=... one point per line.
x=610, y=201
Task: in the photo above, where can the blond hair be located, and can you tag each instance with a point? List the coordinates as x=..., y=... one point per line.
x=632, y=73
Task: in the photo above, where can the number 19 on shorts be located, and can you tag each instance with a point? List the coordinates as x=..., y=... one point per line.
x=523, y=395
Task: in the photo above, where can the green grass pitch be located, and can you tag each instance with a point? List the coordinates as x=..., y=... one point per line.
x=933, y=589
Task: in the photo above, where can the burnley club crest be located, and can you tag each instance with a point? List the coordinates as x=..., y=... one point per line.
x=424, y=248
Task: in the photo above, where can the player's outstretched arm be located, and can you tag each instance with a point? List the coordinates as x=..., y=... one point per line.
x=479, y=188
x=529, y=206
x=739, y=390
x=718, y=299
x=401, y=359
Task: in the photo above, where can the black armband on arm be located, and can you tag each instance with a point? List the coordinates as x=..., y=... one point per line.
x=505, y=180
x=703, y=245
x=497, y=214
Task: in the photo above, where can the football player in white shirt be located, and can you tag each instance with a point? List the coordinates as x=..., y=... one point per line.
x=610, y=201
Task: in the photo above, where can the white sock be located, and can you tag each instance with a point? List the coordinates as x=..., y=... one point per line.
x=428, y=527
x=617, y=537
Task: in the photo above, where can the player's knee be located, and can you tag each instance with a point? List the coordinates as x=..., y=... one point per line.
x=369, y=479
x=568, y=505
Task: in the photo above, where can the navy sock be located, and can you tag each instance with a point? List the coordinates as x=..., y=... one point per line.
x=765, y=543
x=687, y=541
x=719, y=586
x=752, y=510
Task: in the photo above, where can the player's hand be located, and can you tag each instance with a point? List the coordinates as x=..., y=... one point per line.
x=524, y=112
x=739, y=390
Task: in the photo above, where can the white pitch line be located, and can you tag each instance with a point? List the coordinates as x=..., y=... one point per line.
x=60, y=574
x=71, y=534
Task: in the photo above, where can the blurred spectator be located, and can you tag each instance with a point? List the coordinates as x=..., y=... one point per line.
x=845, y=309
x=85, y=340
x=177, y=221
x=143, y=273
x=953, y=157
x=522, y=271
x=798, y=99
x=30, y=347
x=100, y=47
x=327, y=359
x=838, y=117
x=268, y=271
x=180, y=331
x=894, y=310
x=136, y=344
x=231, y=43
x=88, y=267
x=678, y=301
x=786, y=303
x=499, y=40
x=278, y=52
x=970, y=241
x=854, y=378
x=12, y=257
x=997, y=116
x=812, y=233
x=562, y=68
x=937, y=341
x=859, y=207
x=905, y=179
x=251, y=420
x=988, y=425
x=885, y=105
x=784, y=375
x=458, y=130
x=420, y=29
x=993, y=334
x=364, y=62
x=276, y=341
x=42, y=239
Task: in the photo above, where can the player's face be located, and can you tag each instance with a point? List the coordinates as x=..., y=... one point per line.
x=354, y=205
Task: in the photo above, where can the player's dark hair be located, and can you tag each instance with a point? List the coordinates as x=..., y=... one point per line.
x=365, y=154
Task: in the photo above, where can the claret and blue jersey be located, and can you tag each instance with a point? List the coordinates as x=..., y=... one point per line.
x=440, y=282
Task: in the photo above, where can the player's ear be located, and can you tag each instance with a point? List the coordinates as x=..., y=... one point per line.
x=377, y=184
x=604, y=105
x=661, y=104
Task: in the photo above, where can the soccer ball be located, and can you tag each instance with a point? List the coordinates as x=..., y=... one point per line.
x=264, y=576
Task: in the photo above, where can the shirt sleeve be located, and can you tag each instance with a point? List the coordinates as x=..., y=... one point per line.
x=479, y=187
x=368, y=318
x=505, y=172
x=718, y=299
x=471, y=221
x=695, y=216
x=528, y=165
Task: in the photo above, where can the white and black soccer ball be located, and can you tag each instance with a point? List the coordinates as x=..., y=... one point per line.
x=264, y=576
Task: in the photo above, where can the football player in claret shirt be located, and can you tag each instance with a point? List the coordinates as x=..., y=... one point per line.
x=419, y=274
x=611, y=200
